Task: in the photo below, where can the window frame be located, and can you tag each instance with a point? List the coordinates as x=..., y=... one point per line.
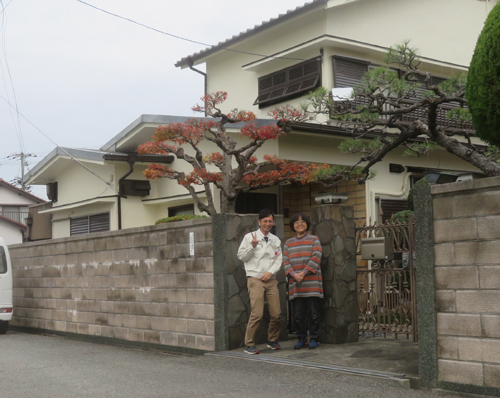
x=288, y=83
x=176, y=210
x=100, y=225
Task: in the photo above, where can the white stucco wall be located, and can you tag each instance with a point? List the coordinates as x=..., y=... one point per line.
x=76, y=186
x=10, y=233
x=12, y=198
x=322, y=148
x=444, y=31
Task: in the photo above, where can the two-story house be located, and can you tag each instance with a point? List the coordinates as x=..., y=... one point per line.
x=14, y=203
x=328, y=43
x=332, y=43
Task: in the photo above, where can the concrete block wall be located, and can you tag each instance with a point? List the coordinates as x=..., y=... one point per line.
x=466, y=246
x=140, y=285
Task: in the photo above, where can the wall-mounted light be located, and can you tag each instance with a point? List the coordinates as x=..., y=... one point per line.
x=331, y=198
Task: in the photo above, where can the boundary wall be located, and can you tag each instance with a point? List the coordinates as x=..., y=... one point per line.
x=142, y=285
x=458, y=285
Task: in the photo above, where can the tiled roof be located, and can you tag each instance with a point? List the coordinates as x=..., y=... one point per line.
x=12, y=222
x=187, y=61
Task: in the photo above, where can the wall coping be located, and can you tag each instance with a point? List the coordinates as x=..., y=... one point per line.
x=463, y=186
x=122, y=232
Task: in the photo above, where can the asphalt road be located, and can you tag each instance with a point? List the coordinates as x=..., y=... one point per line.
x=57, y=367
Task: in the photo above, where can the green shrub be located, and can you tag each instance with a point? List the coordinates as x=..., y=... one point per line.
x=182, y=217
x=483, y=82
x=402, y=216
x=409, y=201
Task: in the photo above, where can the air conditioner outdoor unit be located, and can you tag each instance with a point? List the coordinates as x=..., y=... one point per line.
x=342, y=93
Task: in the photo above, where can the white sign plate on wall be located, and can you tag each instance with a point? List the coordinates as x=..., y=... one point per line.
x=191, y=243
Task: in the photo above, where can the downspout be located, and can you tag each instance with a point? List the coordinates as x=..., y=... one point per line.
x=131, y=164
x=205, y=89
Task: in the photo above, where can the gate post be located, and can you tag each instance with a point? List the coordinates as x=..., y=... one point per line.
x=335, y=228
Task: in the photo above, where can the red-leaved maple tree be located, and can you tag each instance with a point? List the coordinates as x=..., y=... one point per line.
x=234, y=168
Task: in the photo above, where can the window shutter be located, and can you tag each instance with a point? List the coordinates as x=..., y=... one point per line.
x=89, y=224
x=348, y=72
x=79, y=226
x=391, y=207
x=289, y=83
x=99, y=222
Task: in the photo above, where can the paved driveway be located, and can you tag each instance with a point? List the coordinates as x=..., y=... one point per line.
x=56, y=367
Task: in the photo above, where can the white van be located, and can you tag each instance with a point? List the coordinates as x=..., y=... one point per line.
x=5, y=287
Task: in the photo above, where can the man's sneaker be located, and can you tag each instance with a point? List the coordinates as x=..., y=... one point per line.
x=299, y=345
x=273, y=345
x=251, y=349
x=313, y=344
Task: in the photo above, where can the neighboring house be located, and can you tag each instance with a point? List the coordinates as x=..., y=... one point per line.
x=14, y=203
x=102, y=190
x=327, y=43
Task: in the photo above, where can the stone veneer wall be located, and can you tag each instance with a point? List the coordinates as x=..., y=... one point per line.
x=138, y=285
x=334, y=226
x=458, y=285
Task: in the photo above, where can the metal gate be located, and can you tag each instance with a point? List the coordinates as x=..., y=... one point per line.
x=386, y=289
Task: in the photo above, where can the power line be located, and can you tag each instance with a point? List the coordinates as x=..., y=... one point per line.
x=183, y=38
x=19, y=131
x=109, y=184
x=3, y=10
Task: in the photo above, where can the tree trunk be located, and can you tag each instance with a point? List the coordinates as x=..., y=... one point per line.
x=227, y=205
x=488, y=166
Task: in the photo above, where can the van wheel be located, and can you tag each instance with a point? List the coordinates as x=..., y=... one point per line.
x=4, y=325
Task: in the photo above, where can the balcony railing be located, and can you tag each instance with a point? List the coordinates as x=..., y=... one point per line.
x=422, y=114
x=19, y=216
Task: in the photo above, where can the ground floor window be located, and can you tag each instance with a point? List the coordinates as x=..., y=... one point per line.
x=181, y=210
x=253, y=202
x=389, y=207
x=89, y=224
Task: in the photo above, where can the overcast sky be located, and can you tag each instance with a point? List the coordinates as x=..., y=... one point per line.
x=80, y=75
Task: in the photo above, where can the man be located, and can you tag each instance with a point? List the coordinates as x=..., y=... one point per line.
x=261, y=253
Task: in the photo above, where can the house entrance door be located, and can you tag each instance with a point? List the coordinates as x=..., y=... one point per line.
x=387, y=289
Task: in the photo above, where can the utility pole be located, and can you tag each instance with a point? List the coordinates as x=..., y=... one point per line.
x=22, y=156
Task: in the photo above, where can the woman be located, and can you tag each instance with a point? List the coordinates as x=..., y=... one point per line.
x=301, y=259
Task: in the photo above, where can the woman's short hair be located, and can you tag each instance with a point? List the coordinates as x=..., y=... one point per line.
x=296, y=217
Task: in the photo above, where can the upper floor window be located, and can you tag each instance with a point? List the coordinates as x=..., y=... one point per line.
x=289, y=83
x=348, y=72
x=89, y=224
x=15, y=213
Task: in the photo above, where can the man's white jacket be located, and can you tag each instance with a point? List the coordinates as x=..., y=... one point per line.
x=265, y=257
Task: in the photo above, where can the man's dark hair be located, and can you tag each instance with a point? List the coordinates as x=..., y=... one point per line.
x=265, y=213
x=296, y=217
